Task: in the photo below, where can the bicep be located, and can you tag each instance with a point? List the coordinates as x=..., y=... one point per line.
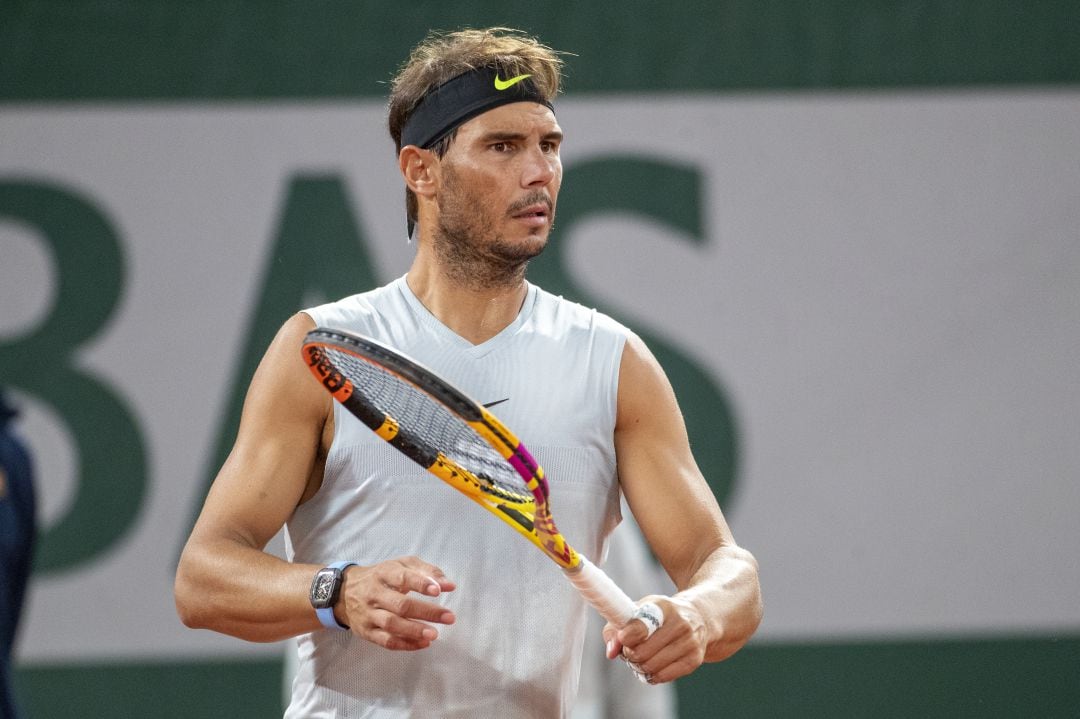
x=664, y=487
x=277, y=447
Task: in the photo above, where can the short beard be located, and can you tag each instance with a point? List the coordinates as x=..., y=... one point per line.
x=473, y=258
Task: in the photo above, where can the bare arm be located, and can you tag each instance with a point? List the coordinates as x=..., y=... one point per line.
x=228, y=583
x=718, y=603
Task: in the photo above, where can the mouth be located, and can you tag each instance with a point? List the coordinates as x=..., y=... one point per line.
x=536, y=214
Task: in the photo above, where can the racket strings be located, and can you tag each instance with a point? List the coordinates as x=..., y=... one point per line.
x=427, y=421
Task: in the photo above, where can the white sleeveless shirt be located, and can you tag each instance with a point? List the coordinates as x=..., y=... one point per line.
x=515, y=648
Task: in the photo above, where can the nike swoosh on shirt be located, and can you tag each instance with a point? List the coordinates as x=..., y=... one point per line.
x=501, y=84
x=489, y=405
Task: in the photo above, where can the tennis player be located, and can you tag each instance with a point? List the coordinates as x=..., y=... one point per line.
x=407, y=601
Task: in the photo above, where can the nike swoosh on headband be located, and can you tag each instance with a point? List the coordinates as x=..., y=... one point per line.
x=501, y=84
x=489, y=405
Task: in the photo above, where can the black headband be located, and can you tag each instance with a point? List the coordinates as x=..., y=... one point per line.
x=462, y=98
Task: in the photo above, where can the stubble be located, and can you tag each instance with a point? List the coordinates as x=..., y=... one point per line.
x=467, y=245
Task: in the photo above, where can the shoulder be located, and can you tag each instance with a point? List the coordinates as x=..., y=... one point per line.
x=357, y=310
x=572, y=317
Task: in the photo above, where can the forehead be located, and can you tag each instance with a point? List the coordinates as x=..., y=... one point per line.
x=526, y=118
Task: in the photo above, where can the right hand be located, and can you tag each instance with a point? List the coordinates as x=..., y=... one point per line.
x=376, y=603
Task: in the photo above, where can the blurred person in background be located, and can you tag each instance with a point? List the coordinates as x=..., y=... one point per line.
x=17, y=529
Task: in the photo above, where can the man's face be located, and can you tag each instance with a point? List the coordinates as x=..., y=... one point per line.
x=500, y=180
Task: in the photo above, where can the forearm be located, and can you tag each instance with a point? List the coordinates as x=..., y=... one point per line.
x=242, y=591
x=726, y=594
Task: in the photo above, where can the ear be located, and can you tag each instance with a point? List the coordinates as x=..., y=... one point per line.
x=420, y=168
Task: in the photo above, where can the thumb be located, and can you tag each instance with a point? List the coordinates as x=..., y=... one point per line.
x=648, y=617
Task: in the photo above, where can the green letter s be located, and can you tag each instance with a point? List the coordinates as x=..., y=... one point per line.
x=670, y=194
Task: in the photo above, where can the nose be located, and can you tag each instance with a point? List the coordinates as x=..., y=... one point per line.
x=540, y=168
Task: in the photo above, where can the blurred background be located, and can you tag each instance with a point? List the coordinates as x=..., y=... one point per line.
x=848, y=229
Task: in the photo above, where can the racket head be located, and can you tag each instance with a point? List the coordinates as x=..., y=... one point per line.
x=440, y=428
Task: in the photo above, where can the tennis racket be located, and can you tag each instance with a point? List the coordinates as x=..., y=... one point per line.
x=462, y=443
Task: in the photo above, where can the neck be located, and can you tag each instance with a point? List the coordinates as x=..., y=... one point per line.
x=473, y=310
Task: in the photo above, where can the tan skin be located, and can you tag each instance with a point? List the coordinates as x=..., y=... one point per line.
x=498, y=183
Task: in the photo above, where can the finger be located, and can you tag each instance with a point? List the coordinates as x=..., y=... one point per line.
x=410, y=607
x=438, y=584
x=647, y=619
x=651, y=616
x=669, y=672
x=671, y=662
x=393, y=632
x=436, y=580
x=391, y=641
x=631, y=665
x=637, y=650
x=407, y=629
x=404, y=579
x=613, y=647
x=631, y=635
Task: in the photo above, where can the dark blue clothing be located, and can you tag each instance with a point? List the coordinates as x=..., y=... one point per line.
x=17, y=506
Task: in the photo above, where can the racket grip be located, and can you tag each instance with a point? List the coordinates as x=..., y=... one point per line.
x=600, y=591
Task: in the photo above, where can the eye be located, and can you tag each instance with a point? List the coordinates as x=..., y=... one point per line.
x=552, y=143
x=501, y=146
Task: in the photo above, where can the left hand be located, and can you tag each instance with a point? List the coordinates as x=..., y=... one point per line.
x=674, y=650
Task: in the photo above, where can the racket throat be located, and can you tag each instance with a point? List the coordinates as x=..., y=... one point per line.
x=551, y=540
x=519, y=518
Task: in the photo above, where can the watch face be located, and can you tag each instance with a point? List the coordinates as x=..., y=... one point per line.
x=323, y=588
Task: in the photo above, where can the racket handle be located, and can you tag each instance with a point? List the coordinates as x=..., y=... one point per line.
x=600, y=591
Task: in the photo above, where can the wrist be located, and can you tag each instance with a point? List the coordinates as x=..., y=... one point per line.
x=341, y=614
x=325, y=593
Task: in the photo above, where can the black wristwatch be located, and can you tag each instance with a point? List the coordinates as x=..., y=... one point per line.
x=325, y=589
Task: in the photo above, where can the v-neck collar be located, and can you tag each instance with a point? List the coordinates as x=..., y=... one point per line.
x=445, y=334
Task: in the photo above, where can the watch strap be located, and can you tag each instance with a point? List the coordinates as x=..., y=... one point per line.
x=326, y=614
